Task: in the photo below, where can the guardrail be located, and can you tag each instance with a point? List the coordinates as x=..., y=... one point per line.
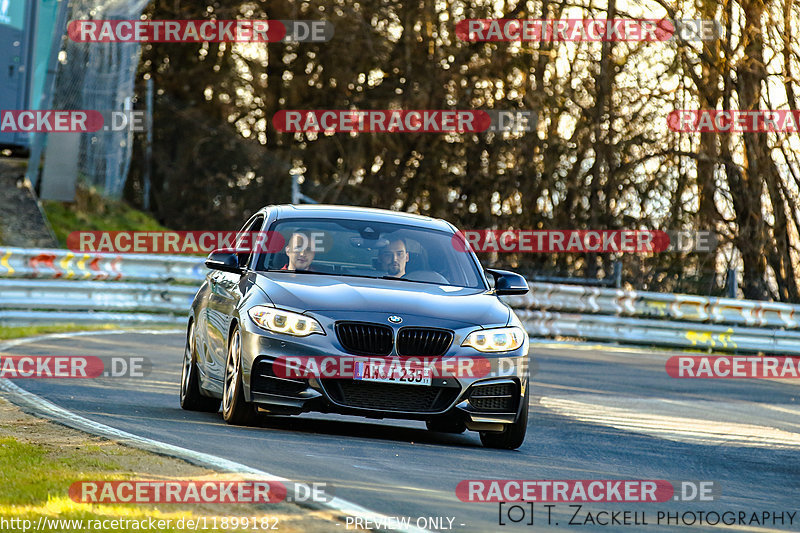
x=40, y=285
x=650, y=332
x=63, y=264
x=95, y=296
x=60, y=286
x=593, y=300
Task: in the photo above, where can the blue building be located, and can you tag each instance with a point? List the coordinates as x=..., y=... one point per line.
x=26, y=39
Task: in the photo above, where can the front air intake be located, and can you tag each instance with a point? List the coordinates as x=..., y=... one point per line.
x=363, y=338
x=423, y=342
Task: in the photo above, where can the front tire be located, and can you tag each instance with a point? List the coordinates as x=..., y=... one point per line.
x=513, y=435
x=191, y=398
x=235, y=410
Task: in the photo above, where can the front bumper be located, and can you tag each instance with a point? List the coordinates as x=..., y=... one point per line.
x=488, y=401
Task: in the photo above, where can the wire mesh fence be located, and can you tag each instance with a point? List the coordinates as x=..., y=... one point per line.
x=100, y=76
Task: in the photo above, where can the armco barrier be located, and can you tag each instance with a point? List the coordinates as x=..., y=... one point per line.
x=60, y=286
x=95, y=296
x=651, y=332
x=82, y=317
x=683, y=307
x=41, y=285
x=64, y=264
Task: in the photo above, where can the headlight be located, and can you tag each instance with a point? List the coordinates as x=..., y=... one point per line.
x=495, y=340
x=281, y=321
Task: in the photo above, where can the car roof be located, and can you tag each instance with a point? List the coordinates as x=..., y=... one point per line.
x=289, y=211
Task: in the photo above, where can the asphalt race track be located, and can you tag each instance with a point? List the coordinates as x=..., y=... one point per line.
x=596, y=413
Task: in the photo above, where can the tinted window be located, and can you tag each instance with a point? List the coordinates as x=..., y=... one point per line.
x=369, y=249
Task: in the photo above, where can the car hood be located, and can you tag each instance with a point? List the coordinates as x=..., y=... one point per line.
x=312, y=292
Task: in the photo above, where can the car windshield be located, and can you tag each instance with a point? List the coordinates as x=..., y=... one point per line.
x=371, y=250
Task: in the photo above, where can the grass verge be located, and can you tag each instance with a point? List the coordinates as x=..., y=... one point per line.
x=35, y=478
x=15, y=332
x=40, y=460
x=91, y=212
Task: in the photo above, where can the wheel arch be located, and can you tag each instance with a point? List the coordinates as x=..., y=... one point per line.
x=244, y=367
x=233, y=326
x=189, y=326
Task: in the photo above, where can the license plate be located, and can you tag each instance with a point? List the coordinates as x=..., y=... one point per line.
x=364, y=371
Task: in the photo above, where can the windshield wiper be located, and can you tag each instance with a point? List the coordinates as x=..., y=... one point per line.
x=317, y=272
x=448, y=284
x=416, y=281
x=302, y=272
x=355, y=276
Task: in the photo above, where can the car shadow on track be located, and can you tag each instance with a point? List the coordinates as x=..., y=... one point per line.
x=366, y=429
x=351, y=428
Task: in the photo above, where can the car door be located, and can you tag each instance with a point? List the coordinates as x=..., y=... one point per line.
x=226, y=290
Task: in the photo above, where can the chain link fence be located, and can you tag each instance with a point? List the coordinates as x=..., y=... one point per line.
x=100, y=76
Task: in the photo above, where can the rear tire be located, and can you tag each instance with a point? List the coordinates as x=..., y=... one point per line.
x=446, y=425
x=235, y=410
x=191, y=398
x=513, y=435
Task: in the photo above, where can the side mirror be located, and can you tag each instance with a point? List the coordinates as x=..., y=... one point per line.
x=225, y=261
x=508, y=283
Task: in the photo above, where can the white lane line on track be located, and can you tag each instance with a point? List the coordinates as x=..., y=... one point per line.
x=51, y=411
x=667, y=419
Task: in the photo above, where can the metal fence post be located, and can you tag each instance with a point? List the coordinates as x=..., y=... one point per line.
x=295, y=189
x=618, y=274
x=148, y=147
x=731, y=285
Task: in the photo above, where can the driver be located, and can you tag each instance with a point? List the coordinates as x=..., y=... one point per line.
x=300, y=251
x=394, y=257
